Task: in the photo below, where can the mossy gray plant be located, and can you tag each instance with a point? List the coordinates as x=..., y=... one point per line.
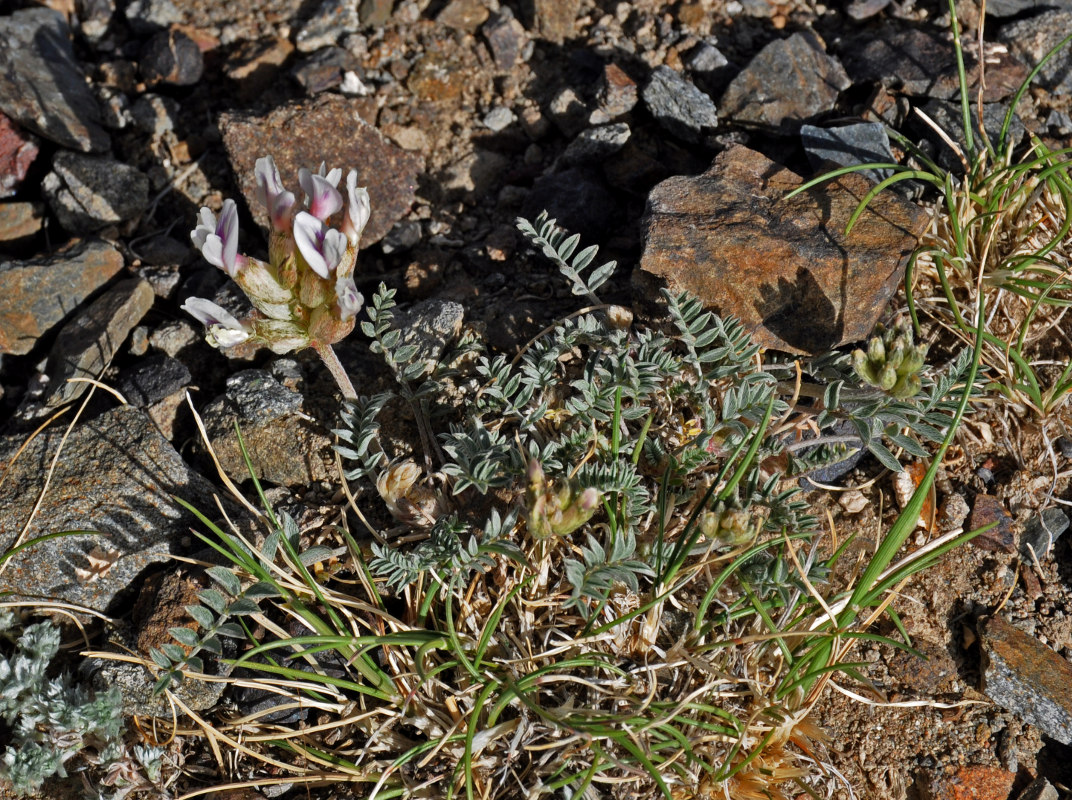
x=52, y=719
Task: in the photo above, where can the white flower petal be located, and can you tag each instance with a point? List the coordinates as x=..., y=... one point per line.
x=334, y=247
x=350, y=300
x=308, y=231
x=208, y=313
x=212, y=250
x=324, y=199
x=358, y=209
x=228, y=232
x=268, y=182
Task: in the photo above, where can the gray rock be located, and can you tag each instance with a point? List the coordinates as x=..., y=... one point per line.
x=175, y=336
x=136, y=686
x=1040, y=533
x=1064, y=444
x=862, y=9
x=402, y=237
x=258, y=398
x=1039, y=789
x=499, y=118
x=788, y=81
x=41, y=84
x=285, y=446
x=94, y=20
x=331, y=20
x=506, y=38
x=705, y=58
x=849, y=145
x=149, y=16
x=431, y=325
x=1027, y=678
x=596, y=144
x=117, y=477
x=678, y=105
x=1034, y=37
x=37, y=295
x=153, y=379
x=324, y=69
x=87, y=193
x=1013, y=8
x=88, y=342
x=1060, y=121
x=155, y=115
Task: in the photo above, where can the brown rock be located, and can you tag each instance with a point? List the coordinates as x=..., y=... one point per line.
x=375, y=13
x=554, y=20
x=925, y=676
x=37, y=295
x=999, y=539
x=968, y=783
x=617, y=92
x=17, y=151
x=89, y=341
x=161, y=605
x=463, y=15
x=20, y=220
x=784, y=267
x=328, y=129
x=1027, y=678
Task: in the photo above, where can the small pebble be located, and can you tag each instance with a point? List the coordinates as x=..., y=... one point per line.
x=499, y=118
x=853, y=502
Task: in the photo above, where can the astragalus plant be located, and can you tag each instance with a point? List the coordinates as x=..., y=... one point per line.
x=589, y=573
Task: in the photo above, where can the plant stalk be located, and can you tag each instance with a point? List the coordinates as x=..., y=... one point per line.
x=331, y=361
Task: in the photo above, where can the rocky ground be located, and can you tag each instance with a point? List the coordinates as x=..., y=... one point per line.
x=666, y=132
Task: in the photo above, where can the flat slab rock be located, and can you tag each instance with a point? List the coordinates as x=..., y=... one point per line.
x=41, y=83
x=328, y=130
x=784, y=267
x=1028, y=678
x=36, y=295
x=115, y=477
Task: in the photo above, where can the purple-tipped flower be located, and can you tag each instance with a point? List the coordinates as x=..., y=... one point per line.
x=218, y=239
x=272, y=195
x=358, y=209
x=321, y=247
x=350, y=300
x=322, y=196
x=223, y=329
